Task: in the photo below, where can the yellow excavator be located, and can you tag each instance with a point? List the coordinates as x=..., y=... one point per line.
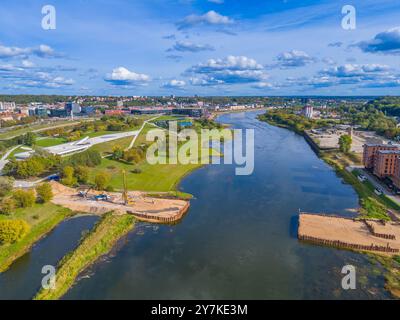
x=125, y=196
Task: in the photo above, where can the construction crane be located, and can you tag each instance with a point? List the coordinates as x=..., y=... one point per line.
x=125, y=195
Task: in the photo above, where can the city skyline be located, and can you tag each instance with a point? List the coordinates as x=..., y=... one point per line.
x=204, y=47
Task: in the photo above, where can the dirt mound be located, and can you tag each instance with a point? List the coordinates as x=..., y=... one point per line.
x=58, y=188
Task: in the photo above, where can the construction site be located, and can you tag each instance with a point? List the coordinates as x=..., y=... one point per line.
x=143, y=207
x=377, y=236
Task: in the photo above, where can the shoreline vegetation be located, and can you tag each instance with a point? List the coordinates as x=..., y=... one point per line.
x=97, y=243
x=371, y=205
x=40, y=227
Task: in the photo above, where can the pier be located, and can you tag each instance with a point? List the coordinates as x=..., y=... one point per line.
x=350, y=233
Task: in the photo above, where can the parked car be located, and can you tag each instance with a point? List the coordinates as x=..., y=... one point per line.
x=362, y=178
x=378, y=191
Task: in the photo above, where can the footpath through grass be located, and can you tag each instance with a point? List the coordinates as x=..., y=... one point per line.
x=94, y=245
x=42, y=219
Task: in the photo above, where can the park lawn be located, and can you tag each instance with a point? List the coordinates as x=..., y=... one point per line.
x=107, y=147
x=42, y=218
x=168, y=118
x=152, y=178
x=142, y=137
x=50, y=142
x=158, y=177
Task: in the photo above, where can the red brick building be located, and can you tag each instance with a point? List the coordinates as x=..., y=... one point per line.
x=371, y=151
x=385, y=163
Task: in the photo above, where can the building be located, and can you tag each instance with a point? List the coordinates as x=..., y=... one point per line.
x=58, y=113
x=371, y=151
x=114, y=112
x=72, y=107
x=88, y=110
x=191, y=112
x=308, y=111
x=7, y=106
x=153, y=110
x=386, y=162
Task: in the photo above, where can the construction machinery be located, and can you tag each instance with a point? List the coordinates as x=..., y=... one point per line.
x=125, y=196
x=102, y=197
x=84, y=193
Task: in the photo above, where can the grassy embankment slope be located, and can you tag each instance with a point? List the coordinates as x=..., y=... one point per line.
x=372, y=205
x=94, y=245
x=42, y=219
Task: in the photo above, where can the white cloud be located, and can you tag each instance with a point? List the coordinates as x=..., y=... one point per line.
x=209, y=18
x=122, y=76
x=42, y=51
x=229, y=70
x=294, y=58
x=27, y=64
x=174, y=84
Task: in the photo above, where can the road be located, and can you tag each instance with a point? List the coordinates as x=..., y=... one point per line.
x=3, y=160
x=376, y=183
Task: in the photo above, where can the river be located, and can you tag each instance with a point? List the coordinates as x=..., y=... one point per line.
x=238, y=240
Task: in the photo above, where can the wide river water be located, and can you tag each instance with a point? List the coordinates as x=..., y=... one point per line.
x=238, y=241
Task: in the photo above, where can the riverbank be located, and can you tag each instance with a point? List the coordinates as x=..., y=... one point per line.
x=95, y=244
x=42, y=219
x=372, y=206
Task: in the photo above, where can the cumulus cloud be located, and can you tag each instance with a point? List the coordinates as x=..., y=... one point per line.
x=294, y=58
x=174, y=84
x=123, y=77
x=209, y=18
x=387, y=42
x=187, y=46
x=42, y=51
x=355, y=70
x=43, y=80
x=229, y=70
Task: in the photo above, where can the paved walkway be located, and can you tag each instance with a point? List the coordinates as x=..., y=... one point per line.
x=139, y=131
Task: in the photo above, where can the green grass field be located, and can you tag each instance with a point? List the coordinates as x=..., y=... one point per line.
x=50, y=142
x=158, y=177
x=152, y=178
x=107, y=147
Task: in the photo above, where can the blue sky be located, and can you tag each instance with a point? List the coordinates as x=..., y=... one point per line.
x=204, y=47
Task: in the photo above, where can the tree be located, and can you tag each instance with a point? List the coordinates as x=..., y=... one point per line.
x=13, y=230
x=101, y=180
x=82, y=174
x=24, y=199
x=44, y=192
x=117, y=153
x=6, y=185
x=68, y=176
x=345, y=142
x=30, y=139
x=7, y=206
